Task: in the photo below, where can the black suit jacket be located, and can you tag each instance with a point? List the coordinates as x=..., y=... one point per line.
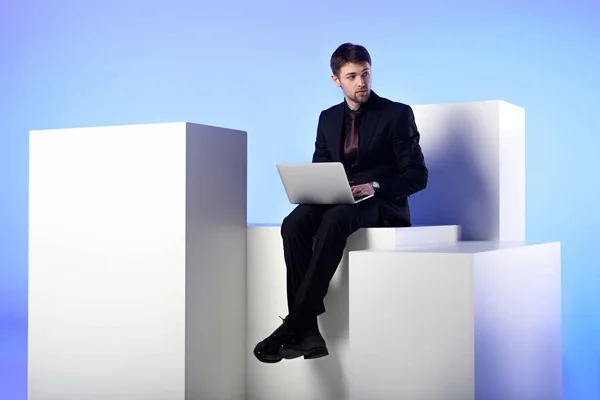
x=389, y=152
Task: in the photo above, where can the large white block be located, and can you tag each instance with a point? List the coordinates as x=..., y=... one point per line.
x=475, y=153
x=325, y=378
x=471, y=320
x=137, y=256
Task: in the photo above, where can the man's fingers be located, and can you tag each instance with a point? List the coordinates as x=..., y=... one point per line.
x=360, y=190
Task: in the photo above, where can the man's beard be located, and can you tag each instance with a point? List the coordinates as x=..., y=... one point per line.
x=361, y=98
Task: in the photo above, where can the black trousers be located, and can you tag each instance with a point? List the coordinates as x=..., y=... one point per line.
x=314, y=239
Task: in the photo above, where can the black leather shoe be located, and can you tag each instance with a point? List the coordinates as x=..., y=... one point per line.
x=310, y=345
x=267, y=350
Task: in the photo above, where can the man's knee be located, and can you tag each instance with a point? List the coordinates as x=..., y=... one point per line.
x=289, y=225
x=293, y=223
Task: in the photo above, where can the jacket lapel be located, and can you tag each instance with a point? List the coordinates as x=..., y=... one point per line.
x=335, y=129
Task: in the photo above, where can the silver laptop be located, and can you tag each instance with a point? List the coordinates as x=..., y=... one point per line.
x=317, y=183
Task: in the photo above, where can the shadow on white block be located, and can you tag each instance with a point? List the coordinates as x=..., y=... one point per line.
x=475, y=153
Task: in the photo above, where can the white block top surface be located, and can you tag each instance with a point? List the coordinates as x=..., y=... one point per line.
x=471, y=103
x=177, y=124
x=415, y=227
x=472, y=247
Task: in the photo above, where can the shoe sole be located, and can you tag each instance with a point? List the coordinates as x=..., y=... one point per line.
x=317, y=352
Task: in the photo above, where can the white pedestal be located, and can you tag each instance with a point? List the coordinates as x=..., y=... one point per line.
x=475, y=153
x=326, y=378
x=471, y=320
x=137, y=249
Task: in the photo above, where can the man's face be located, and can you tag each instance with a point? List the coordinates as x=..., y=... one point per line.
x=355, y=81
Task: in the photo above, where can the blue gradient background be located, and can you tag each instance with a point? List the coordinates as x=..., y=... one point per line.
x=262, y=67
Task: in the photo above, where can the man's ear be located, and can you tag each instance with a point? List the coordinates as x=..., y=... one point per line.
x=336, y=80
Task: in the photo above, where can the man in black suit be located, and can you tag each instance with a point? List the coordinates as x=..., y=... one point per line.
x=378, y=142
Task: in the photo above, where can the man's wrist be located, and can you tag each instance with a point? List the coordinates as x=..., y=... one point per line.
x=375, y=185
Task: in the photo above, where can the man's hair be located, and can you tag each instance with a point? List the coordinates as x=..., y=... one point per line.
x=348, y=53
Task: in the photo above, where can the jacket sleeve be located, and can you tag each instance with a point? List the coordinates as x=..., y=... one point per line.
x=321, y=153
x=412, y=172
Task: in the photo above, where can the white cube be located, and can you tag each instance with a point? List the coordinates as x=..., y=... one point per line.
x=471, y=320
x=475, y=153
x=137, y=260
x=326, y=378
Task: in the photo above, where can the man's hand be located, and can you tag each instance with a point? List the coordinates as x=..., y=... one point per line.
x=362, y=190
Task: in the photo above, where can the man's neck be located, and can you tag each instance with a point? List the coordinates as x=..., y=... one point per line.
x=352, y=105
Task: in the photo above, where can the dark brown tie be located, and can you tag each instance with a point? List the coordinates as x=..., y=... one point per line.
x=351, y=142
